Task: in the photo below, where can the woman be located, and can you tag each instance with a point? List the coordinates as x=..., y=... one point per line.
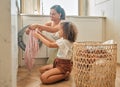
x=62, y=65
x=57, y=14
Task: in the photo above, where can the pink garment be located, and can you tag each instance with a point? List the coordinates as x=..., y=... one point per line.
x=31, y=50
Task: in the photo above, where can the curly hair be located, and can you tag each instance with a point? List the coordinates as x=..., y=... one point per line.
x=69, y=31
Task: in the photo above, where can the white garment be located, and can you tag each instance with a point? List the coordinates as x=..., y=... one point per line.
x=64, y=48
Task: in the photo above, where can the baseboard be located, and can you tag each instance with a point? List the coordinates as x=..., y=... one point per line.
x=41, y=61
x=38, y=61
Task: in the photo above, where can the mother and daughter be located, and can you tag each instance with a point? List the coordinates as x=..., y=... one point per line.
x=67, y=33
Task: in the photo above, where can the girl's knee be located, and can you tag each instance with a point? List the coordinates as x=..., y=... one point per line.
x=40, y=70
x=43, y=79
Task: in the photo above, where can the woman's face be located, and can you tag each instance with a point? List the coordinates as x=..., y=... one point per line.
x=54, y=15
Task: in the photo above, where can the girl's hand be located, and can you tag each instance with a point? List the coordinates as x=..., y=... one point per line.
x=37, y=34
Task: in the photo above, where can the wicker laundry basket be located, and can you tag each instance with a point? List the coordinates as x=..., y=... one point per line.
x=94, y=64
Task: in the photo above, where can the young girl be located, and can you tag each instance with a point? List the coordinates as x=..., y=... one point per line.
x=62, y=65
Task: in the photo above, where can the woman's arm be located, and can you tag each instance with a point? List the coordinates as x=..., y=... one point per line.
x=45, y=40
x=48, y=23
x=48, y=28
x=44, y=28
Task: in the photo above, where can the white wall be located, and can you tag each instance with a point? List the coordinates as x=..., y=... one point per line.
x=109, y=9
x=8, y=46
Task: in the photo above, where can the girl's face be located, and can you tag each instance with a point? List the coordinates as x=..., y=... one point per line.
x=54, y=15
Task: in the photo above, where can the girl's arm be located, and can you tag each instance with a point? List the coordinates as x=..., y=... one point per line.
x=45, y=40
x=45, y=36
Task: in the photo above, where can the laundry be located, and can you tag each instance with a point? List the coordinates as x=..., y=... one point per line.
x=31, y=50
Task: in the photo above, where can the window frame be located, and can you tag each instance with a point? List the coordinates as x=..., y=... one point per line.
x=41, y=10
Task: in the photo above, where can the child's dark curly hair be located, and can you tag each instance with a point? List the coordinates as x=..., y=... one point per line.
x=69, y=31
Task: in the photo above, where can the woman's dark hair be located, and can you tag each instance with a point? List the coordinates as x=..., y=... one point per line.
x=69, y=31
x=59, y=10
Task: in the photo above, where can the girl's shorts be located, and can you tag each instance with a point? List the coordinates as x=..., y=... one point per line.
x=64, y=65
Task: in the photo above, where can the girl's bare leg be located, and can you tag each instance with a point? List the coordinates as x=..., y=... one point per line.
x=45, y=68
x=52, y=75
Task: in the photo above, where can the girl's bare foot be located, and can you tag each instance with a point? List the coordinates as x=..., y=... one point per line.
x=67, y=76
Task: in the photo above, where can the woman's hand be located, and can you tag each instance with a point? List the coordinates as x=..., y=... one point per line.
x=33, y=26
x=27, y=31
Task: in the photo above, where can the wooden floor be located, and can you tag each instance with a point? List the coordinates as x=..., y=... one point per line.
x=31, y=79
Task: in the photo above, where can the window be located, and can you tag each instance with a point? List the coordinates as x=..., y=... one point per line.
x=70, y=6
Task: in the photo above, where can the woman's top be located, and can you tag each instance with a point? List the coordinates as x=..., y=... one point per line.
x=64, y=49
x=55, y=36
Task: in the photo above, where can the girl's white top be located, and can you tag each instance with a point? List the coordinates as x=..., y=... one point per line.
x=64, y=50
